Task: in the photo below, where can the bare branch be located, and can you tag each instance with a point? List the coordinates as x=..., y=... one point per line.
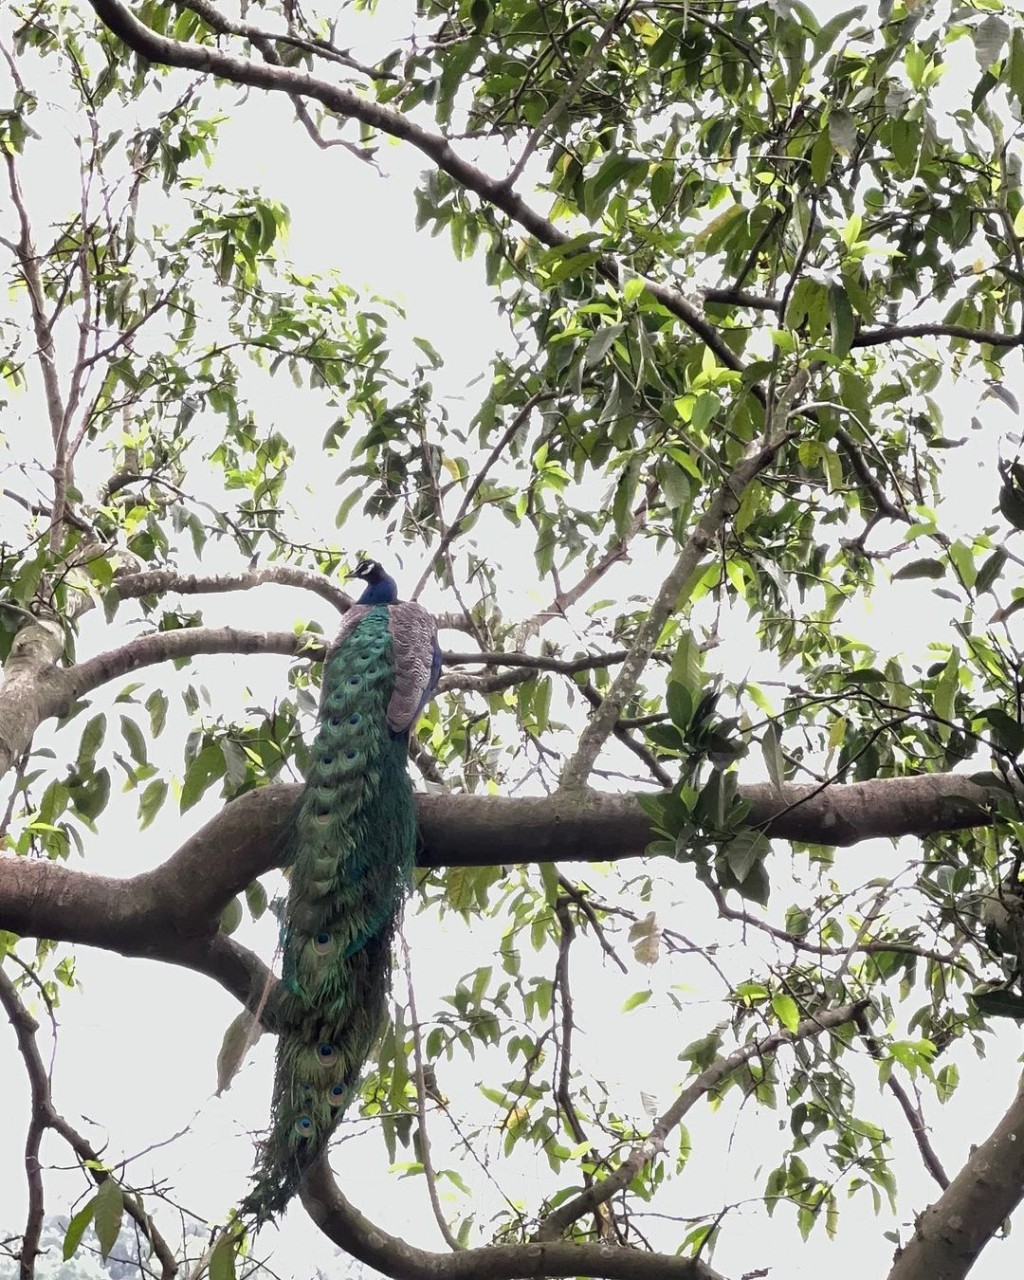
x=45, y=1116
x=503, y=442
x=421, y=1107
x=159, y=581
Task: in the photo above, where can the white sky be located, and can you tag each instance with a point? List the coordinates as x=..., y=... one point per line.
x=138, y=1046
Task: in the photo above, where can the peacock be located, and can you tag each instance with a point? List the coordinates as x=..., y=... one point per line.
x=350, y=848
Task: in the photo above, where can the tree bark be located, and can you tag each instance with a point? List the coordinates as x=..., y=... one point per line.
x=952, y=1232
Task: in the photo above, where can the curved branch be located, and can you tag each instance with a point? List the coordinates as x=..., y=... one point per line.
x=363, y=1239
x=170, y=913
x=348, y=103
x=166, y=646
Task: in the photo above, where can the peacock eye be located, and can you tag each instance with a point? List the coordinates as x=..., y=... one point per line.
x=334, y=721
x=304, y=1127
x=323, y=816
x=354, y=718
x=322, y=943
x=327, y=761
x=351, y=754
x=336, y=1095
x=325, y=1052
x=353, y=680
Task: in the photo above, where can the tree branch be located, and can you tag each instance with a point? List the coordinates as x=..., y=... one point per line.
x=45, y=1116
x=644, y=1152
x=951, y=1233
x=363, y=1239
x=388, y=120
x=724, y=503
x=171, y=912
x=159, y=581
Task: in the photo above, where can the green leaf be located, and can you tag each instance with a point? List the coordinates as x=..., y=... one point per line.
x=601, y=343
x=744, y=851
x=242, y=1033
x=132, y=735
x=989, y=38
x=151, y=801
x=1008, y=734
x=208, y=766
x=256, y=897
x=920, y=569
x=679, y=701
x=999, y=1003
x=992, y=567
x=786, y=1010
x=841, y=320
x=771, y=749
x=109, y=1209
x=231, y=917
x=76, y=1228
x=92, y=739
x=222, y=1259
x=636, y=1000
x=156, y=705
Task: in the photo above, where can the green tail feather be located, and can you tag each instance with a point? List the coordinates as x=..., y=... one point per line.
x=352, y=846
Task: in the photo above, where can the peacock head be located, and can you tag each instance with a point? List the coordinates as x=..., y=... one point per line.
x=380, y=587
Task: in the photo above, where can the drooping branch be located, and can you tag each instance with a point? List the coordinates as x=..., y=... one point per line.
x=365, y=1240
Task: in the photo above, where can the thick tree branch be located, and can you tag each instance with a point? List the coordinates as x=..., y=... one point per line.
x=171, y=913
x=953, y=1231
x=349, y=1230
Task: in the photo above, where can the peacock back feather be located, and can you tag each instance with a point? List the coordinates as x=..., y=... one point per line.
x=350, y=851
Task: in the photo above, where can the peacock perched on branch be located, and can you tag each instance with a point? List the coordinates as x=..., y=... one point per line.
x=351, y=846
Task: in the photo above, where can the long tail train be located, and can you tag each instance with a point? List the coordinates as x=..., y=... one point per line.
x=351, y=854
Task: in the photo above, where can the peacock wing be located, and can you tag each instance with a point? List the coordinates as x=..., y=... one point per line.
x=417, y=663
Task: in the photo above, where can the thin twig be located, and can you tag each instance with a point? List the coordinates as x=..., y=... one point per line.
x=421, y=1104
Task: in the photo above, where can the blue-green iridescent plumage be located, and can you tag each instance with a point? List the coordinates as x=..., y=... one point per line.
x=351, y=849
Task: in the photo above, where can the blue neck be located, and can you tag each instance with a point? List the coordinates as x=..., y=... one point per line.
x=384, y=591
